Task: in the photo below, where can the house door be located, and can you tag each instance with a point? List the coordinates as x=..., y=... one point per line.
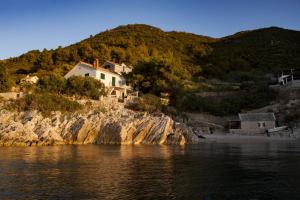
x=113, y=81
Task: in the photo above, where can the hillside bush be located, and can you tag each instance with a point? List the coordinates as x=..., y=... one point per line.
x=251, y=96
x=85, y=86
x=45, y=103
x=52, y=83
x=76, y=85
x=6, y=81
x=148, y=103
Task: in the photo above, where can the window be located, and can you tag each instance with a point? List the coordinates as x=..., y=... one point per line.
x=261, y=124
x=87, y=74
x=113, y=81
x=102, y=76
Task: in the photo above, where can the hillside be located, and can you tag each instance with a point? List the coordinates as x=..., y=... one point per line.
x=177, y=65
x=266, y=50
x=263, y=50
x=128, y=44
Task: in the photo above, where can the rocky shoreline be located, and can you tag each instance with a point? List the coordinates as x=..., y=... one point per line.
x=106, y=122
x=117, y=125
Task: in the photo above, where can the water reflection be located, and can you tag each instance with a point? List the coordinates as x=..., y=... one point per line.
x=209, y=170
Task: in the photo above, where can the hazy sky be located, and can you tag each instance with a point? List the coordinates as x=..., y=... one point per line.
x=38, y=24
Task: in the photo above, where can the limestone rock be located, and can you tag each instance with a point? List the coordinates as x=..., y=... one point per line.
x=118, y=125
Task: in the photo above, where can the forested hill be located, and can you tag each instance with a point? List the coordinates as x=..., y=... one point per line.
x=128, y=44
x=235, y=57
x=266, y=50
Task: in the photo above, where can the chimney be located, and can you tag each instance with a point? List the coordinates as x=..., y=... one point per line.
x=96, y=63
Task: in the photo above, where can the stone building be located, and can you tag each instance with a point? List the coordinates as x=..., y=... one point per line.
x=249, y=123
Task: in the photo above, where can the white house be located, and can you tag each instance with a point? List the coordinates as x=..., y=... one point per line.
x=112, y=79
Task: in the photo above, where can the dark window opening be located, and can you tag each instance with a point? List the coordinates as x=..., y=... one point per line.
x=113, y=83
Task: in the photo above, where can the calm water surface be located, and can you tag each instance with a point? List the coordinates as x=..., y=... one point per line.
x=232, y=170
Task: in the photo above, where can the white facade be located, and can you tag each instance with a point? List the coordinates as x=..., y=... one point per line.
x=118, y=68
x=107, y=77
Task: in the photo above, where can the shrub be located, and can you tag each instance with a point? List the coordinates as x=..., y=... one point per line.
x=6, y=82
x=251, y=96
x=149, y=103
x=158, y=75
x=75, y=85
x=85, y=86
x=52, y=83
x=45, y=103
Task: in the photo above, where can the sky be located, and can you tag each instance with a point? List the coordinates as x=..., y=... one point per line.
x=39, y=24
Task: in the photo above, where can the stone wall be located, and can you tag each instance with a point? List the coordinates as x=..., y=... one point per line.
x=253, y=126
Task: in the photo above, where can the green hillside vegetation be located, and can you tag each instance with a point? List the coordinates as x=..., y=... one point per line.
x=128, y=44
x=45, y=103
x=52, y=91
x=179, y=64
x=6, y=80
x=250, y=55
x=76, y=85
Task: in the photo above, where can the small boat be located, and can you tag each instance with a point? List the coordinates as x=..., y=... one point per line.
x=201, y=136
x=280, y=128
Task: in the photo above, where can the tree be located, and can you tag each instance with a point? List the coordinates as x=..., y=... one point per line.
x=158, y=75
x=85, y=51
x=60, y=55
x=45, y=60
x=52, y=83
x=6, y=82
x=118, y=55
x=142, y=51
x=104, y=53
x=85, y=86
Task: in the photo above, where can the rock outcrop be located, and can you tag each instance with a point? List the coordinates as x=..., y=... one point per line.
x=115, y=126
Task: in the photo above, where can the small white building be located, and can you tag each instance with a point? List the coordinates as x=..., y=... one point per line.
x=111, y=76
x=290, y=78
x=285, y=79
